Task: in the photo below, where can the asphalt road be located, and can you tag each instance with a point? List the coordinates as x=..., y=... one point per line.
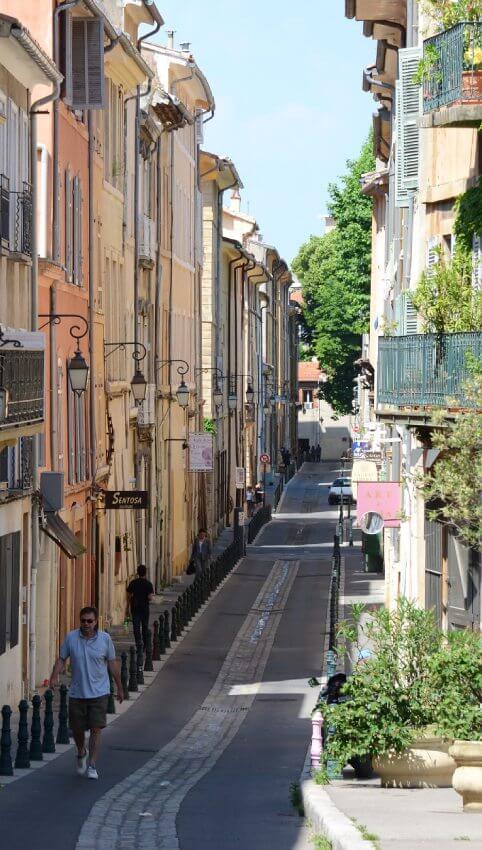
x=242, y=801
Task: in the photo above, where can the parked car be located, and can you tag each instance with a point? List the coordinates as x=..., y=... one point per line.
x=341, y=488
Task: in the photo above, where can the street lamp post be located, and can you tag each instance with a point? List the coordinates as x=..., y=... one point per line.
x=77, y=367
x=182, y=392
x=217, y=391
x=138, y=383
x=341, y=518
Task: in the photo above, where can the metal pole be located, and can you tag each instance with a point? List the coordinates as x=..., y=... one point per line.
x=264, y=485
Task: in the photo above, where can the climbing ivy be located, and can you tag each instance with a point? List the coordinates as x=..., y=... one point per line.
x=468, y=221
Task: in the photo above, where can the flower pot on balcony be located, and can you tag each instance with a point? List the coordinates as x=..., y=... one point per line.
x=467, y=779
x=426, y=764
x=471, y=86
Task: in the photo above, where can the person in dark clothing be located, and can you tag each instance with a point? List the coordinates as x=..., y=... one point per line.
x=140, y=592
x=201, y=552
x=318, y=453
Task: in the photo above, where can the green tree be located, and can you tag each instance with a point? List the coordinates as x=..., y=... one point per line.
x=335, y=274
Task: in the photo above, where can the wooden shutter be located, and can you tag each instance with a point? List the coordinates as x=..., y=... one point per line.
x=408, y=314
x=401, y=194
x=75, y=230
x=84, y=62
x=408, y=111
x=71, y=434
x=69, y=267
x=15, y=587
x=433, y=249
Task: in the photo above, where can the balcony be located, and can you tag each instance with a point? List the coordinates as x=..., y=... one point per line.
x=22, y=375
x=452, y=89
x=16, y=217
x=147, y=240
x=426, y=370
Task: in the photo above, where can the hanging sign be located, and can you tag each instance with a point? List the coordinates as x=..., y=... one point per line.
x=363, y=470
x=240, y=477
x=380, y=497
x=130, y=499
x=201, y=452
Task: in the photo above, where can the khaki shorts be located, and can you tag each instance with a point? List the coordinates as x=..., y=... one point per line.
x=85, y=714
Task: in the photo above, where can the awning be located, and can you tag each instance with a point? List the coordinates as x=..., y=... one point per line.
x=58, y=531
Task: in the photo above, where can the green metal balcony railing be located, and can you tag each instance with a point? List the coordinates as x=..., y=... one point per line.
x=22, y=375
x=426, y=370
x=453, y=62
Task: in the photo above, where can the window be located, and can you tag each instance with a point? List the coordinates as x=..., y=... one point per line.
x=9, y=590
x=114, y=136
x=73, y=228
x=77, y=437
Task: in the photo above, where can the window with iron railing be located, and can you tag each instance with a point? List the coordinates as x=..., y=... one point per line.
x=22, y=375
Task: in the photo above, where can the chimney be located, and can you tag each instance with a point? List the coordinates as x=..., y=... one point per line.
x=170, y=39
x=235, y=201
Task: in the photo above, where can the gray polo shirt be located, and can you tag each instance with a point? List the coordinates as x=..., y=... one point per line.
x=89, y=657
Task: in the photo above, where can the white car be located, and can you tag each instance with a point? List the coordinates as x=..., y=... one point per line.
x=340, y=489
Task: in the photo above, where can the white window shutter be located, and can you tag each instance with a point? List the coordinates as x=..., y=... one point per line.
x=401, y=194
x=409, y=110
x=83, y=62
x=409, y=315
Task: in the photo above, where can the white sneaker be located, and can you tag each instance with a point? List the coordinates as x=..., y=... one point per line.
x=81, y=764
x=91, y=772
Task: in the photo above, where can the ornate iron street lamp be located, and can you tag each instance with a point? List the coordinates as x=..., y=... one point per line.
x=77, y=367
x=182, y=392
x=138, y=383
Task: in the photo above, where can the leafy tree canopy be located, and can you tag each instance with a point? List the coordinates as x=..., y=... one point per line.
x=334, y=270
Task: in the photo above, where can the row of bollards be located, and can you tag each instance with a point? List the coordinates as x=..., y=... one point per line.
x=40, y=739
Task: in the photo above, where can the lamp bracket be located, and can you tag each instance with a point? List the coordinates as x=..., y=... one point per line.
x=139, y=353
x=74, y=330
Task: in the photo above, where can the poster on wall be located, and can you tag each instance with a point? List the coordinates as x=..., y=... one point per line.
x=201, y=452
x=240, y=477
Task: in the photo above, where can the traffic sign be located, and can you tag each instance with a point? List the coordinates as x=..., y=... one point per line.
x=264, y=458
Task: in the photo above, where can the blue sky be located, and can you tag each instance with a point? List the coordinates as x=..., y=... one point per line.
x=286, y=78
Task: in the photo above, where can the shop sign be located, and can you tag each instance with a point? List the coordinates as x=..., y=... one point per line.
x=381, y=497
x=201, y=452
x=135, y=500
x=363, y=470
x=240, y=477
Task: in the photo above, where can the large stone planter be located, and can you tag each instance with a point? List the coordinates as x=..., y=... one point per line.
x=426, y=764
x=467, y=779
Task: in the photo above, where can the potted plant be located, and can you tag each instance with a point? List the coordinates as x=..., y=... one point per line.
x=457, y=670
x=395, y=708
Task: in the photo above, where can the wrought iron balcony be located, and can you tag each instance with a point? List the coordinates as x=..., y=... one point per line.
x=22, y=375
x=22, y=231
x=453, y=74
x=426, y=370
x=4, y=209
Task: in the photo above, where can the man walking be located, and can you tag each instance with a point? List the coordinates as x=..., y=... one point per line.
x=91, y=654
x=201, y=552
x=140, y=592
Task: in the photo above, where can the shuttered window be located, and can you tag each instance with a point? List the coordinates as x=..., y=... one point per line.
x=77, y=437
x=9, y=590
x=73, y=229
x=114, y=136
x=83, y=62
x=408, y=110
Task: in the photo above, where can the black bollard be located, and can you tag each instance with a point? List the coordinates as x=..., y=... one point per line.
x=6, y=767
x=124, y=675
x=161, y=636
x=189, y=604
x=140, y=664
x=148, y=662
x=178, y=618
x=35, y=731
x=173, y=626
x=48, y=741
x=63, y=727
x=111, y=700
x=21, y=757
x=156, y=649
x=132, y=669
x=184, y=618
x=167, y=639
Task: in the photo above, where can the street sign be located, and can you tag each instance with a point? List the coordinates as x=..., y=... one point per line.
x=130, y=499
x=265, y=458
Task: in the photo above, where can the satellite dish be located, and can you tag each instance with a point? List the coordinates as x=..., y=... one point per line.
x=371, y=523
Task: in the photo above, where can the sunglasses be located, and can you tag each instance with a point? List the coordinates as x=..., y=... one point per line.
x=83, y=620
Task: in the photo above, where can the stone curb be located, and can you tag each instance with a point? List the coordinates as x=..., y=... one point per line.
x=325, y=818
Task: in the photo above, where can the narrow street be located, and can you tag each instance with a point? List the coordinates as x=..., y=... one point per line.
x=206, y=757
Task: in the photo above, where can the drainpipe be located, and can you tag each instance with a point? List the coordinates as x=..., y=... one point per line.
x=54, y=442
x=34, y=325
x=158, y=354
x=92, y=399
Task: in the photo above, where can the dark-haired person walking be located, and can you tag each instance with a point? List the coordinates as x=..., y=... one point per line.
x=140, y=592
x=91, y=653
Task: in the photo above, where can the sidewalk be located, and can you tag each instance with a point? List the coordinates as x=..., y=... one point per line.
x=359, y=814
